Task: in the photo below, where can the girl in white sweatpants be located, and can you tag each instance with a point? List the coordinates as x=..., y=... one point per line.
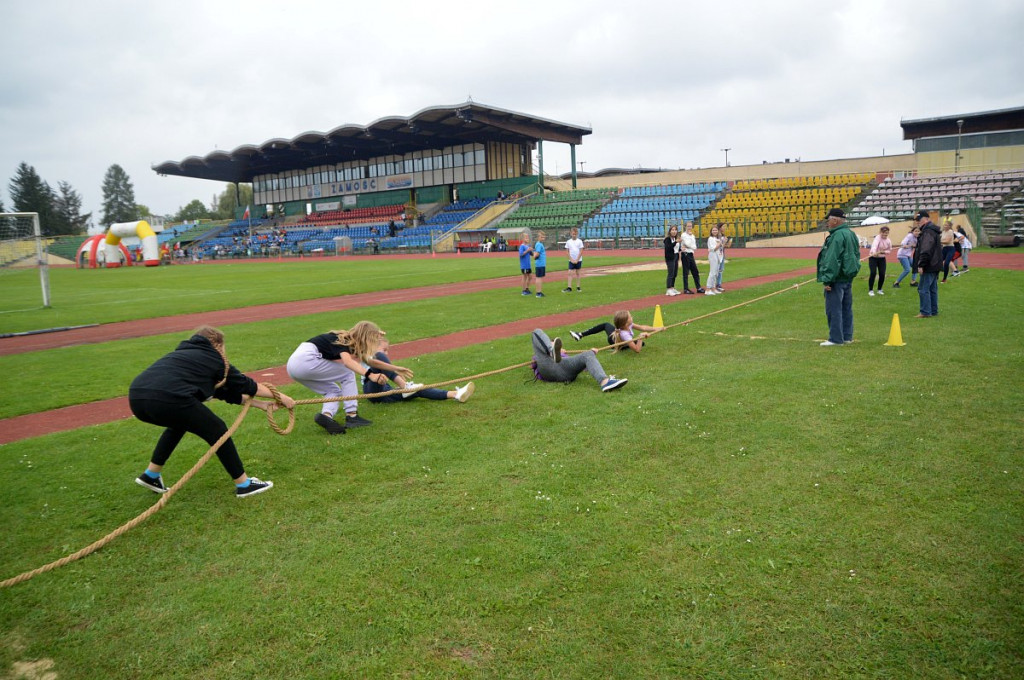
x=328, y=363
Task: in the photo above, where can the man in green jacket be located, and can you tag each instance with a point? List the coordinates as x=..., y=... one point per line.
x=838, y=264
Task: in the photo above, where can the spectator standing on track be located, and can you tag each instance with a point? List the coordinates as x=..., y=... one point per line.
x=928, y=259
x=715, y=245
x=525, y=260
x=905, y=255
x=540, y=254
x=575, y=247
x=880, y=247
x=723, y=242
x=687, y=248
x=965, y=247
x=838, y=265
x=948, y=237
x=671, y=244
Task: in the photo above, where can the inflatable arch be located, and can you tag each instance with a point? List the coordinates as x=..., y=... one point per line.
x=95, y=256
x=150, y=250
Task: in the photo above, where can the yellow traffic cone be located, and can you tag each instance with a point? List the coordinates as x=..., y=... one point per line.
x=895, y=336
x=658, y=322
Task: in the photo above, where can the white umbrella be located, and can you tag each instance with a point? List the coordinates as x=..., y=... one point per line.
x=874, y=219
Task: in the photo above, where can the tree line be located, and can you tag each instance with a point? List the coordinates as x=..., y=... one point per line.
x=60, y=210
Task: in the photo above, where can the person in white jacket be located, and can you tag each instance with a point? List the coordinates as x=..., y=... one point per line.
x=715, y=245
x=688, y=245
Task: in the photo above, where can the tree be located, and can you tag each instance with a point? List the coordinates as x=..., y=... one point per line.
x=228, y=204
x=29, y=193
x=118, y=197
x=193, y=211
x=67, y=211
x=143, y=211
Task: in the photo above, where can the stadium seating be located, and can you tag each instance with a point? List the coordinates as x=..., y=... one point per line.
x=899, y=198
x=783, y=205
x=643, y=212
x=557, y=210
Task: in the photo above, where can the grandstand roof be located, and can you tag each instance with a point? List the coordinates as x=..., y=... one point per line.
x=431, y=128
x=982, y=121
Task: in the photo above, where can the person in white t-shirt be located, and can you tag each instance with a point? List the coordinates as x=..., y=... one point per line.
x=575, y=247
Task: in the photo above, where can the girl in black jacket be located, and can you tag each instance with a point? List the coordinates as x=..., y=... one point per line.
x=171, y=392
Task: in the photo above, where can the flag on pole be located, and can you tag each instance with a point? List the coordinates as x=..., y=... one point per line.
x=245, y=215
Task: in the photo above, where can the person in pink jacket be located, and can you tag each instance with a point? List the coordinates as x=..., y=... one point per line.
x=880, y=247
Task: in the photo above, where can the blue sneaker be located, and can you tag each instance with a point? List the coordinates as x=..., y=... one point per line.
x=526, y=291
x=539, y=294
x=613, y=383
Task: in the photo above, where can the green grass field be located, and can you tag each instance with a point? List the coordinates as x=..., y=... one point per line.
x=749, y=505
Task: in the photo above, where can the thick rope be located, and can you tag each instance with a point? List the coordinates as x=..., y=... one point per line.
x=276, y=404
x=131, y=524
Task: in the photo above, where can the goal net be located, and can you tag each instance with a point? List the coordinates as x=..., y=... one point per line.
x=21, y=245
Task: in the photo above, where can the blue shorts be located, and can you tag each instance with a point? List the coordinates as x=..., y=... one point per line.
x=576, y=265
x=524, y=271
x=541, y=271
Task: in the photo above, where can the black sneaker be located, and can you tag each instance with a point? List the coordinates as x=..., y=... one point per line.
x=913, y=284
x=254, y=487
x=540, y=295
x=577, y=289
x=575, y=336
x=567, y=290
x=356, y=421
x=148, y=482
x=328, y=423
x=556, y=350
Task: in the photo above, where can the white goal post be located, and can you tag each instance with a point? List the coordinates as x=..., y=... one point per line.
x=20, y=240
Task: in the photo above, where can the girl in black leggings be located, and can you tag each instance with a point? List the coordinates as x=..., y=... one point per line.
x=171, y=392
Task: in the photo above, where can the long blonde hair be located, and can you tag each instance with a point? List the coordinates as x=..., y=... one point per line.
x=216, y=338
x=363, y=339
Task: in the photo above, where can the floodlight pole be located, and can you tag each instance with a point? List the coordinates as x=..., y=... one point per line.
x=727, y=156
x=959, y=131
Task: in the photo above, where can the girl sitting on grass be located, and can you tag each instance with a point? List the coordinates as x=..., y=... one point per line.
x=620, y=330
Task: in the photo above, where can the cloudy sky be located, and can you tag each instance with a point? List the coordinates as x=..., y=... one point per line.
x=663, y=83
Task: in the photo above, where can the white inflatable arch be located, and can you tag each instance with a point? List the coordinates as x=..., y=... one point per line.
x=150, y=250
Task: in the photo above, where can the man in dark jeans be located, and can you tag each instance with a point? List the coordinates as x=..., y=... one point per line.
x=838, y=264
x=928, y=259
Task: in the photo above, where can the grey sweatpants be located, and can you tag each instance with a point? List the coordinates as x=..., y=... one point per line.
x=327, y=378
x=568, y=368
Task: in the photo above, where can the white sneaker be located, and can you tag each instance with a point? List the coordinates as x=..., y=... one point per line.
x=670, y=292
x=463, y=394
x=829, y=343
x=411, y=386
x=711, y=291
x=871, y=293
x=881, y=292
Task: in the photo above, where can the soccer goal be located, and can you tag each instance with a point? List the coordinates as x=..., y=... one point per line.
x=21, y=244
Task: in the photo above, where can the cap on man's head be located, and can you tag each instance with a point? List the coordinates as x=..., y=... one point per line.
x=837, y=212
x=923, y=215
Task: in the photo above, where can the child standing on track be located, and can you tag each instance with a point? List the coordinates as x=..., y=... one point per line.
x=171, y=392
x=620, y=330
x=540, y=254
x=525, y=257
x=687, y=247
x=575, y=247
x=328, y=363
